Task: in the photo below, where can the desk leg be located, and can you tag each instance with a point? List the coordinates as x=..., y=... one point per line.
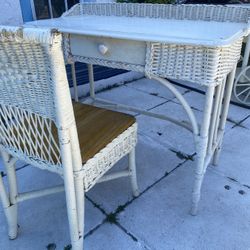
x=224, y=113
x=91, y=81
x=201, y=149
x=73, y=72
x=245, y=58
x=209, y=141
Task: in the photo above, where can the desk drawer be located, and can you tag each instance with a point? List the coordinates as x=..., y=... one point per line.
x=109, y=49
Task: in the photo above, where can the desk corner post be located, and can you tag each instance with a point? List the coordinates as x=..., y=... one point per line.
x=73, y=72
x=201, y=149
x=224, y=113
x=91, y=81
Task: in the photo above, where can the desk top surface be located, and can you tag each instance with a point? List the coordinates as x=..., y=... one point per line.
x=202, y=33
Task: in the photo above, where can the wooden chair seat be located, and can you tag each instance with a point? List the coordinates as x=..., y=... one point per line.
x=97, y=127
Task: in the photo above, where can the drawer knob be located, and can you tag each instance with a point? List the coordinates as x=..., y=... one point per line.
x=103, y=49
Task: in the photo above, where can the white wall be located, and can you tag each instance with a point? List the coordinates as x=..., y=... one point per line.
x=10, y=12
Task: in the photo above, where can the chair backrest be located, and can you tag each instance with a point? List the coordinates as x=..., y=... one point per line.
x=35, y=102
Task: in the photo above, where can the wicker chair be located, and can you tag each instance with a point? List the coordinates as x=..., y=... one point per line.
x=39, y=125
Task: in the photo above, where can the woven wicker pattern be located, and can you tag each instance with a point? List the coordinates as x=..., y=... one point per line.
x=24, y=77
x=68, y=58
x=107, y=157
x=166, y=11
x=206, y=66
x=27, y=109
x=108, y=63
x=29, y=135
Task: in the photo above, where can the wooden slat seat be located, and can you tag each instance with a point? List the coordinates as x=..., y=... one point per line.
x=97, y=127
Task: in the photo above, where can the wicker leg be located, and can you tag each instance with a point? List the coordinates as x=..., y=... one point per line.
x=214, y=125
x=70, y=191
x=79, y=187
x=226, y=103
x=73, y=72
x=201, y=145
x=9, y=211
x=91, y=81
x=10, y=203
x=132, y=169
x=76, y=239
x=79, y=184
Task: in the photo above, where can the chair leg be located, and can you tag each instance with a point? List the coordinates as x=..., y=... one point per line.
x=132, y=169
x=70, y=191
x=10, y=203
x=72, y=211
x=80, y=204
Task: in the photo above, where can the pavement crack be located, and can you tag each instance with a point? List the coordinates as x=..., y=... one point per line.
x=158, y=105
x=121, y=208
x=247, y=186
x=182, y=155
x=127, y=232
x=112, y=218
x=232, y=179
x=90, y=232
x=239, y=124
x=96, y=205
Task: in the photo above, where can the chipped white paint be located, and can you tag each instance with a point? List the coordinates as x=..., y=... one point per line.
x=10, y=12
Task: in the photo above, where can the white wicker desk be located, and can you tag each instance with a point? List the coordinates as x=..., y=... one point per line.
x=164, y=41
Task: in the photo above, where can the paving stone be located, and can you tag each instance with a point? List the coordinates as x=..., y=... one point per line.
x=235, y=113
x=154, y=88
x=246, y=123
x=131, y=97
x=111, y=237
x=161, y=219
x=167, y=133
x=43, y=220
x=235, y=157
x=153, y=161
